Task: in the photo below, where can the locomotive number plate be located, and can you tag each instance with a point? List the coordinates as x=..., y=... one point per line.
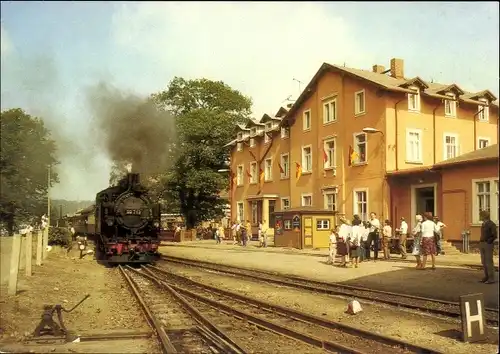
x=133, y=212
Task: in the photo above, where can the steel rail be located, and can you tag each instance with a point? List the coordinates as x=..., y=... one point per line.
x=214, y=334
x=332, y=288
x=166, y=346
x=298, y=315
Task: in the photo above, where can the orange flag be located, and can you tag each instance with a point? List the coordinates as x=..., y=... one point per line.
x=298, y=170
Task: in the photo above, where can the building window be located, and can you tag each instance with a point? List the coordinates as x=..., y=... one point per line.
x=239, y=175
x=360, y=147
x=267, y=138
x=239, y=146
x=414, y=145
x=239, y=209
x=268, y=170
x=255, y=214
x=269, y=125
x=239, y=136
x=329, y=152
x=307, y=200
x=330, y=201
x=414, y=100
x=330, y=111
x=361, y=204
x=252, y=142
x=271, y=217
x=485, y=198
x=450, y=146
x=285, y=203
x=450, y=108
x=285, y=166
x=323, y=224
x=253, y=172
x=306, y=159
x=359, y=102
x=306, y=120
x=483, y=113
x=483, y=142
x=287, y=224
x=253, y=132
x=285, y=132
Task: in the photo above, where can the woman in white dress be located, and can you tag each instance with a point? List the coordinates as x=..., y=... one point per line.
x=417, y=238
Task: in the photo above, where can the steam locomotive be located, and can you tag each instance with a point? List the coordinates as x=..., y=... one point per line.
x=127, y=223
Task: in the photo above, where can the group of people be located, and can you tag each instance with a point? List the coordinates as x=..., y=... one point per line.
x=353, y=241
x=242, y=233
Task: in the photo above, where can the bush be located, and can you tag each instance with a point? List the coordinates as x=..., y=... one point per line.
x=60, y=236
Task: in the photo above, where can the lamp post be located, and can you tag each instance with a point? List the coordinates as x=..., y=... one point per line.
x=369, y=130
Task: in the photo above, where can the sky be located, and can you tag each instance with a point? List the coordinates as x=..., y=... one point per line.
x=52, y=52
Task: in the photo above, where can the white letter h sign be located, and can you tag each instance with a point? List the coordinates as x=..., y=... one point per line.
x=474, y=318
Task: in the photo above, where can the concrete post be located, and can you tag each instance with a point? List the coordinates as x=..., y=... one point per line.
x=39, y=247
x=14, y=264
x=45, y=242
x=29, y=253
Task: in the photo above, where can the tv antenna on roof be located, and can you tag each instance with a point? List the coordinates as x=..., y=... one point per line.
x=300, y=82
x=289, y=99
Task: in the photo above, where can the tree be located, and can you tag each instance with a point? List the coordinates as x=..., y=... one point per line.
x=27, y=151
x=118, y=171
x=206, y=113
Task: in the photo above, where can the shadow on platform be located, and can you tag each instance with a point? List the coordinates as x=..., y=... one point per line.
x=491, y=335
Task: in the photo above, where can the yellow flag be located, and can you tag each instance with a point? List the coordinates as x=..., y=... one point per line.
x=298, y=170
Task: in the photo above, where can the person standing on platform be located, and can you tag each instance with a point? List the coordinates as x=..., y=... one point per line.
x=356, y=235
x=386, y=239
x=333, y=247
x=364, y=239
x=373, y=237
x=344, y=236
x=428, y=242
x=489, y=234
x=403, y=234
x=249, y=231
x=439, y=235
x=417, y=239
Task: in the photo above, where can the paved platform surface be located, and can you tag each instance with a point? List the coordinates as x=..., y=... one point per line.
x=447, y=282
x=463, y=260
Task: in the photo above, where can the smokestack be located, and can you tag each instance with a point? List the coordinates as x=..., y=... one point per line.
x=397, y=68
x=133, y=179
x=379, y=69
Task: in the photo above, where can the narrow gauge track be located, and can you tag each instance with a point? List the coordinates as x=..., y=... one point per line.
x=179, y=327
x=329, y=335
x=432, y=306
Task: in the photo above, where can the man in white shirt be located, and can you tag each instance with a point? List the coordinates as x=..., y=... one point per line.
x=373, y=236
x=333, y=247
x=441, y=226
x=403, y=234
x=345, y=233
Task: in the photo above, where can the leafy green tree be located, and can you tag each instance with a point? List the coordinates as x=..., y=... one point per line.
x=27, y=151
x=206, y=113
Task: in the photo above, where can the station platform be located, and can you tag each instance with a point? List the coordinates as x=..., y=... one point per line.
x=453, y=277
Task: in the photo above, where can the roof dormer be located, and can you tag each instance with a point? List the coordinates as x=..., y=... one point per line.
x=483, y=96
x=415, y=82
x=281, y=112
x=451, y=90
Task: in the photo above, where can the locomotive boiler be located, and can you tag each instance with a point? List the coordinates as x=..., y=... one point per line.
x=127, y=223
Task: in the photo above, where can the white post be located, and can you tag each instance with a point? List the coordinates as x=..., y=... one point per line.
x=39, y=247
x=29, y=252
x=14, y=264
x=45, y=242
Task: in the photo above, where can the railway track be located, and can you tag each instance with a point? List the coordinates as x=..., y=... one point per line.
x=322, y=333
x=428, y=305
x=180, y=328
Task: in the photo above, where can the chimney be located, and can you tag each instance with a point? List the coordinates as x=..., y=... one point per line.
x=379, y=69
x=397, y=68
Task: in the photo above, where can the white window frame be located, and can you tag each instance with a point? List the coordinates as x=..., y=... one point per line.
x=326, y=194
x=267, y=139
x=483, y=116
x=415, y=108
x=306, y=118
x=446, y=145
x=331, y=160
x=355, y=206
x=268, y=169
x=452, y=105
x=253, y=172
x=239, y=146
x=239, y=136
x=357, y=109
x=331, y=116
x=411, y=159
x=253, y=131
x=240, y=171
x=483, y=139
x=240, y=211
x=322, y=224
x=356, y=144
x=493, y=199
x=269, y=126
x=306, y=195
x=287, y=199
x=305, y=168
x=252, y=142
x=286, y=167
x=285, y=132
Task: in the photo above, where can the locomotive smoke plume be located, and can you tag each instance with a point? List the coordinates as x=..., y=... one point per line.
x=132, y=130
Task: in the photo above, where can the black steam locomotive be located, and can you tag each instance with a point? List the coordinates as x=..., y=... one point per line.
x=127, y=223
